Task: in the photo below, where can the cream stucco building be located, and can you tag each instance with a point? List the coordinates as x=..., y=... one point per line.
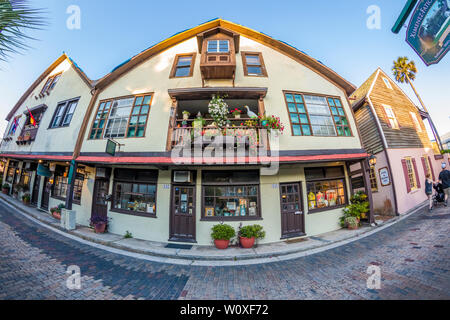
x=116, y=138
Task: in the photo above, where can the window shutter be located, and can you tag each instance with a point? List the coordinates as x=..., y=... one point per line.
x=431, y=167
x=424, y=165
x=405, y=172
x=416, y=173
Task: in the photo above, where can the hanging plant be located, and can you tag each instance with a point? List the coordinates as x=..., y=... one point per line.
x=218, y=109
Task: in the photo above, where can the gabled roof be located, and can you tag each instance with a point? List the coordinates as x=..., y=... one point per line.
x=44, y=75
x=365, y=89
x=278, y=45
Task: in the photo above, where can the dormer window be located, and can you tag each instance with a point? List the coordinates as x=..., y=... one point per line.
x=218, y=46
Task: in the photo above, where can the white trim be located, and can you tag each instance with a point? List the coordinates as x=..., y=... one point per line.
x=377, y=120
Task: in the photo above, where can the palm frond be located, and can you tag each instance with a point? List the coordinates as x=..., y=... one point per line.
x=16, y=17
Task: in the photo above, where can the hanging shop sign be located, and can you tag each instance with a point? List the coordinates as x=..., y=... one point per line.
x=43, y=171
x=429, y=30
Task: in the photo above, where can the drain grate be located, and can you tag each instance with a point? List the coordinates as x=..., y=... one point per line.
x=179, y=246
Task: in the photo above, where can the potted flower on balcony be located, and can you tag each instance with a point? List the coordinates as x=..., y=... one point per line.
x=222, y=234
x=27, y=136
x=100, y=223
x=26, y=198
x=248, y=235
x=236, y=113
x=6, y=188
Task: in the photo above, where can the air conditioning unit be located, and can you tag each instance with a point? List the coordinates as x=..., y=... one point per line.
x=182, y=176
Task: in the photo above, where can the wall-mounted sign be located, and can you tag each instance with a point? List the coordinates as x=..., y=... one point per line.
x=385, y=179
x=429, y=30
x=111, y=147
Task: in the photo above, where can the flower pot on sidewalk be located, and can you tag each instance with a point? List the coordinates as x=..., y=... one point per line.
x=56, y=215
x=247, y=243
x=221, y=244
x=100, y=227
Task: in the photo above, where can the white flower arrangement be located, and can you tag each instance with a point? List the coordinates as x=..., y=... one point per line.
x=218, y=109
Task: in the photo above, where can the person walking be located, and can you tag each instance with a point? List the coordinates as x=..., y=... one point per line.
x=429, y=191
x=444, y=178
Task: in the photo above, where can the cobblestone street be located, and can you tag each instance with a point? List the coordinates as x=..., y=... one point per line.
x=413, y=255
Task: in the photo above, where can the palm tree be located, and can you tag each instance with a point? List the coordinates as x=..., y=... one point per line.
x=15, y=16
x=404, y=71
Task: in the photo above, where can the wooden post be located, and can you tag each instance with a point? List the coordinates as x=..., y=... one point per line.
x=70, y=187
x=172, y=123
x=368, y=188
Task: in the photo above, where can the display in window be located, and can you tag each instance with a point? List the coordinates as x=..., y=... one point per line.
x=209, y=212
x=323, y=194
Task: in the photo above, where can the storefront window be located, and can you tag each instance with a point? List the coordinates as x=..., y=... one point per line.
x=11, y=171
x=25, y=179
x=135, y=191
x=61, y=185
x=325, y=187
x=231, y=194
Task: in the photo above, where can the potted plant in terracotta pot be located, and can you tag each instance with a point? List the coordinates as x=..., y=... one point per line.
x=248, y=235
x=100, y=223
x=222, y=234
x=56, y=212
x=6, y=188
x=352, y=223
x=26, y=198
x=236, y=113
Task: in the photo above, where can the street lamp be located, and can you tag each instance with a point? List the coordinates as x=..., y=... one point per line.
x=372, y=160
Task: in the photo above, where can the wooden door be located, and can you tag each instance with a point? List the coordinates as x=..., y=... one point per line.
x=45, y=194
x=182, y=214
x=99, y=202
x=292, y=215
x=35, y=191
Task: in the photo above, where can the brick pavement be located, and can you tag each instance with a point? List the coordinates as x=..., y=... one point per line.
x=413, y=256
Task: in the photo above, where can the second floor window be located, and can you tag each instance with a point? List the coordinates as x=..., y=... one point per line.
x=317, y=115
x=416, y=122
x=51, y=83
x=64, y=114
x=392, y=119
x=120, y=118
x=253, y=64
x=183, y=66
x=218, y=46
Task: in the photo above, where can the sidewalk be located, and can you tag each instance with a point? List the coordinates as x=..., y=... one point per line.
x=207, y=254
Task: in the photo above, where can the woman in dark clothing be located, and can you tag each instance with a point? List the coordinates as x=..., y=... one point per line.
x=429, y=191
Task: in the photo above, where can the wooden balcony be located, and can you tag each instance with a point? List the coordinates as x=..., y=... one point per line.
x=27, y=135
x=236, y=136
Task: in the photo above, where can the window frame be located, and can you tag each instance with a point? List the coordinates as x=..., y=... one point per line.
x=173, y=72
x=111, y=101
x=261, y=65
x=76, y=176
x=308, y=115
x=373, y=179
x=387, y=83
x=408, y=160
x=218, y=46
x=416, y=121
x=258, y=216
x=48, y=86
x=312, y=211
x=397, y=124
x=134, y=181
x=65, y=105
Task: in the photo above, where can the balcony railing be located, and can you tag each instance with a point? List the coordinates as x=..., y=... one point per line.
x=27, y=135
x=235, y=135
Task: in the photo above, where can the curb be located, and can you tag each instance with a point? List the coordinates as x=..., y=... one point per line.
x=187, y=259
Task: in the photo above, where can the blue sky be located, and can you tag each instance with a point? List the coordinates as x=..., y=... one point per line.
x=333, y=32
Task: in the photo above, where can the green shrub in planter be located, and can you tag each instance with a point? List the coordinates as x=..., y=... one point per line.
x=222, y=232
x=26, y=197
x=352, y=222
x=252, y=231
